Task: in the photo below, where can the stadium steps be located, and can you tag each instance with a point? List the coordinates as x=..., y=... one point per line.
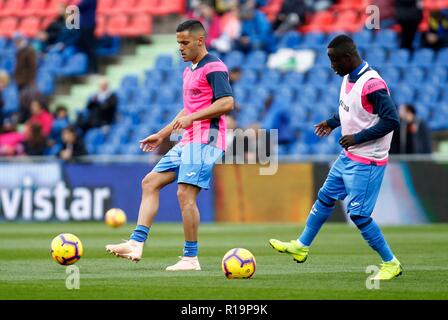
x=136, y=64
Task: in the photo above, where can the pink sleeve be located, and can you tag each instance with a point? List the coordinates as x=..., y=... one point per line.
x=214, y=67
x=370, y=86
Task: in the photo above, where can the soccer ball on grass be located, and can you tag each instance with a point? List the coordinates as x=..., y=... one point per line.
x=238, y=263
x=66, y=249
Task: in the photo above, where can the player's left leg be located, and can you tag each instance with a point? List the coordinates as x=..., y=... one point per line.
x=363, y=184
x=195, y=172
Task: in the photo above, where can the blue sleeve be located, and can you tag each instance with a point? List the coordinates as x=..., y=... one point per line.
x=219, y=81
x=384, y=106
x=334, y=121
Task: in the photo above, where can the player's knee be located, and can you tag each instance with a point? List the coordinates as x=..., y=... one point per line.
x=186, y=198
x=360, y=221
x=149, y=183
x=325, y=199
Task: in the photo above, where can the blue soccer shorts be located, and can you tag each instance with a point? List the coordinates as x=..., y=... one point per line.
x=359, y=182
x=193, y=163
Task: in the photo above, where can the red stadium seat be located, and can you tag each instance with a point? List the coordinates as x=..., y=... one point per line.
x=117, y=25
x=347, y=20
x=141, y=24
x=170, y=6
x=12, y=8
x=147, y=6
x=272, y=9
x=321, y=21
x=53, y=8
x=104, y=6
x=34, y=8
x=30, y=26
x=100, y=29
x=8, y=26
x=123, y=6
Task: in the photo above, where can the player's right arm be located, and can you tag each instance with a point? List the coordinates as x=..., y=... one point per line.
x=324, y=128
x=151, y=142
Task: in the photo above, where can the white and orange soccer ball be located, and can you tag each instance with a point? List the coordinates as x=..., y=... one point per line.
x=238, y=263
x=115, y=218
x=66, y=249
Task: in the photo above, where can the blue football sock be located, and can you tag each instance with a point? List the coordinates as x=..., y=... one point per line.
x=140, y=233
x=318, y=215
x=190, y=248
x=371, y=232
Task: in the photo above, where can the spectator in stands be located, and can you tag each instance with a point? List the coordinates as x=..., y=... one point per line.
x=72, y=146
x=413, y=135
x=60, y=122
x=27, y=95
x=437, y=35
x=87, y=40
x=51, y=35
x=230, y=26
x=256, y=31
x=4, y=80
x=101, y=109
x=35, y=143
x=290, y=17
x=10, y=140
x=206, y=13
x=408, y=15
x=41, y=116
x=26, y=63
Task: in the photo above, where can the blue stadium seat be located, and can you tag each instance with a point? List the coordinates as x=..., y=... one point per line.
x=11, y=98
x=270, y=76
x=290, y=39
x=293, y=79
x=308, y=96
x=386, y=39
x=318, y=76
x=391, y=74
x=3, y=43
x=363, y=38
x=153, y=78
x=166, y=95
x=414, y=76
x=321, y=59
x=248, y=77
x=163, y=62
x=255, y=60
x=240, y=94
x=45, y=83
x=403, y=94
x=53, y=63
x=428, y=94
x=438, y=75
x=442, y=57
x=129, y=81
x=313, y=40
x=234, y=59
x=399, y=58
x=376, y=57
x=423, y=58
x=76, y=66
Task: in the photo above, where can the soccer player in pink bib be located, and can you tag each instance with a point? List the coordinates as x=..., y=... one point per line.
x=367, y=116
x=207, y=97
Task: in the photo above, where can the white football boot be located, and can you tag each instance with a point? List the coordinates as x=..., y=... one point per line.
x=185, y=264
x=129, y=249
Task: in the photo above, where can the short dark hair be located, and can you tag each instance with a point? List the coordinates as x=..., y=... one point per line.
x=411, y=108
x=343, y=44
x=191, y=25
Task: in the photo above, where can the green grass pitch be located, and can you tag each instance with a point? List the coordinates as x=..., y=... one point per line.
x=335, y=269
